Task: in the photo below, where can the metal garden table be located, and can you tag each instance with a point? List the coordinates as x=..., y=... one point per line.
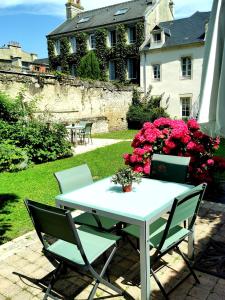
x=73, y=130
x=148, y=200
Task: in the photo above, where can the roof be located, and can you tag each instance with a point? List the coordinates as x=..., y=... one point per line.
x=105, y=16
x=183, y=31
x=41, y=61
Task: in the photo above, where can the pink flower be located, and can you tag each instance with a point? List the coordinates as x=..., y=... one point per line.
x=191, y=145
x=133, y=158
x=147, y=168
x=192, y=124
x=166, y=150
x=210, y=162
x=139, y=151
x=138, y=169
x=126, y=156
x=186, y=139
x=147, y=148
x=170, y=144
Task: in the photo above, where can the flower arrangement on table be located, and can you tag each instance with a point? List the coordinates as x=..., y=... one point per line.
x=125, y=177
x=176, y=137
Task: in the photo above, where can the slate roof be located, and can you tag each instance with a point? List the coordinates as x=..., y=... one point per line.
x=184, y=31
x=105, y=16
x=41, y=61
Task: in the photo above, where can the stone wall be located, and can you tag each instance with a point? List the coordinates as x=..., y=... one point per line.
x=69, y=100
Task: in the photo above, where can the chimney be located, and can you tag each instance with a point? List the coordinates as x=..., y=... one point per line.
x=73, y=8
x=171, y=6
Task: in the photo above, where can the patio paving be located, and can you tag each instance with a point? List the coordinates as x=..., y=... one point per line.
x=23, y=255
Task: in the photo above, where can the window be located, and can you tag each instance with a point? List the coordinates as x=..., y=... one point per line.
x=121, y=11
x=185, y=107
x=112, y=38
x=112, y=70
x=73, y=44
x=186, y=67
x=156, y=72
x=157, y=37
x=132, y=68
x=83, y=20
x=36, y=68
x=73, y=71
x=132, y=35
x=92, y=41
x=57, y=47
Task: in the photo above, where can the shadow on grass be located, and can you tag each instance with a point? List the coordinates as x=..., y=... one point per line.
x=5, y=226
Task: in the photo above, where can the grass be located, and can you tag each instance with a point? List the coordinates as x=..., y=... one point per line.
x=38, y=183
x=121, y=134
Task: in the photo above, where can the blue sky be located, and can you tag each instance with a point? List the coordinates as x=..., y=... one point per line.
x=29, y=21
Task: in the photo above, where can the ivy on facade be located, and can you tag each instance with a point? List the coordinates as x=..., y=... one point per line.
x=120, y=52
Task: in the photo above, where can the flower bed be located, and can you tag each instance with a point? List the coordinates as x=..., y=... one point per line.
x=175, y=137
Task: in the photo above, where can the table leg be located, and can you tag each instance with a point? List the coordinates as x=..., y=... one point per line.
x=144, y=262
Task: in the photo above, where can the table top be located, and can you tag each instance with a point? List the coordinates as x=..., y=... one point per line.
x=76, y=126
x=143, y=203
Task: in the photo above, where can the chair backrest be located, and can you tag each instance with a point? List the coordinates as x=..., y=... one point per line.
x=82, y=123
x=169, y=168
x=88, y=127
x=55, y=222
x=73, y=178
x=184, y=207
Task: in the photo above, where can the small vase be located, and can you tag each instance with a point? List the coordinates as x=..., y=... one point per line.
x=127, y=188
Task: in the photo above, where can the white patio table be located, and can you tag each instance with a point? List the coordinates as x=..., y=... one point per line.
x=147, y=201
x=74, y=129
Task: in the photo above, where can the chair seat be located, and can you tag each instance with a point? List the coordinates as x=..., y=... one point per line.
x=94, y=244
x=156, y=231
x=88, y=219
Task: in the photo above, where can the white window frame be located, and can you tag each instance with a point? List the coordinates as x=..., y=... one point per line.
x=185, y=104
x=57, y=47
x=154, y=40
x=92, y=43
x=131, y=41
x=157, y=73
x=73, y=44
x=129, y=69
x=186, y=67
x=121, y=11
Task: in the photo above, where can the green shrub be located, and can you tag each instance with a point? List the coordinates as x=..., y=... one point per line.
x=147, y=110
x=42, y=142
x=89, y=67
x=12, y=158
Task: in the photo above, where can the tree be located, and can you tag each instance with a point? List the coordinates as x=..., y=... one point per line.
x=89, y=67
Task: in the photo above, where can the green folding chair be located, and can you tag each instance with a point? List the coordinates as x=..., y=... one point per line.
x=75, y=248
x=75, y=178
x=166, y=235
x=169, y=168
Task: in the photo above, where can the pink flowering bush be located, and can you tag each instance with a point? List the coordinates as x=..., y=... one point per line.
x=175, y=137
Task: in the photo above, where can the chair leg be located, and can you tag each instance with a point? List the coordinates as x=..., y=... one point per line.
x=188, y=264
x=159, y=284
x=99, y=278
x=52, y=281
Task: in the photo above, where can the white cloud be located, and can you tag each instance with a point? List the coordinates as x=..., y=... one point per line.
x=185, y=8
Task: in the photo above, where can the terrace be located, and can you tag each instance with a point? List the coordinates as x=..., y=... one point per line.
x=21, y=250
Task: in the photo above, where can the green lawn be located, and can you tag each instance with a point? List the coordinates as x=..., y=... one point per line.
x=38, y=183
x=121, y=134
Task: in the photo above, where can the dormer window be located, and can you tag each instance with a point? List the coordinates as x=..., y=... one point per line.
x=157, y=37
x=83, y=20
x=121, y=11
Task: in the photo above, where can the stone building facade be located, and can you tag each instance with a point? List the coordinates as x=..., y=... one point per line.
x=114, y=33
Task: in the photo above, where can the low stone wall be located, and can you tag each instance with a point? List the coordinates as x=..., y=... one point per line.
x=69, y=100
